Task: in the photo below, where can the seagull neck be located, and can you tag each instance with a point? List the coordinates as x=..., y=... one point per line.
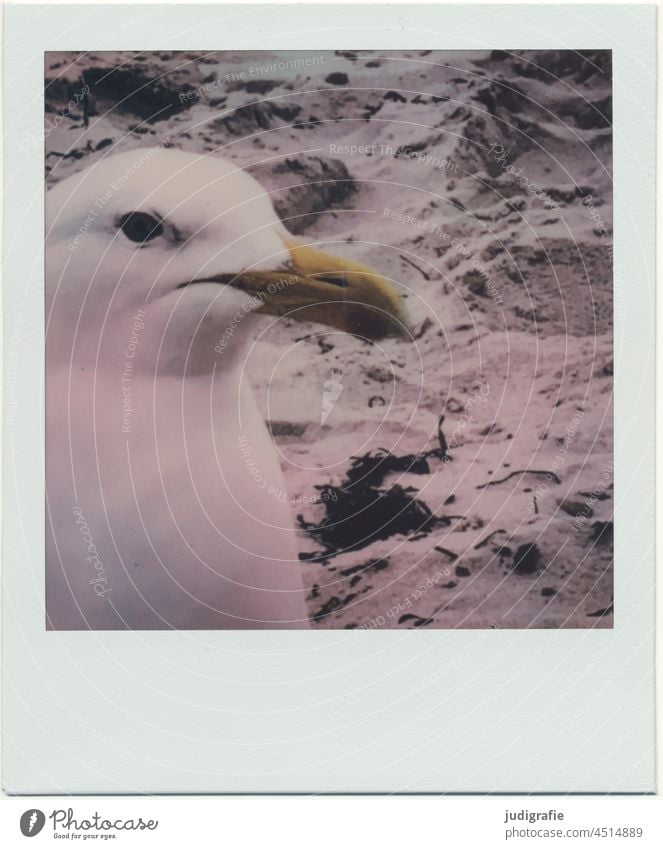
x=146, y=343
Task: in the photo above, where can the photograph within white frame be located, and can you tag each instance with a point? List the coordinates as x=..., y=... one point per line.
x=490, y=676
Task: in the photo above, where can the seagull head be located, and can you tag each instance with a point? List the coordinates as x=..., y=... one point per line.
x=195, y=242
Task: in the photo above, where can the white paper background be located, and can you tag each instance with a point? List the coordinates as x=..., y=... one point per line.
x=453, y=711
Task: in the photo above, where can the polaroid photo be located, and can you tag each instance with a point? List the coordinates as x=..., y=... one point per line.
x=323, y=470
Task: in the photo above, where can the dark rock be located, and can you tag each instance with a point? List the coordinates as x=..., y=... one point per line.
x=515, y=206
x=603, y=533
x=332, y=604
x=395, y=96
x=370, y=111
x=501, y=96
x=371, y=566
x=551, y=65
x=304, y=187
x=337, y=78
x=492, y=251
x=286, y=428
x=307, y=125
x=425, y=325
x=132, y=88
x=417, y=621
x=76, y=153
x=245, y=120
x=576, y=508
x=447, y=552
x=599, y=496
x=261, y=86
x=476, y=283
x=604, y=611
x=527, y=559
x=410, y=150
x=568, y=194
x=587, y=115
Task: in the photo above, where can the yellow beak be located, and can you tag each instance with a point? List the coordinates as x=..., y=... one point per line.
x=329, y=290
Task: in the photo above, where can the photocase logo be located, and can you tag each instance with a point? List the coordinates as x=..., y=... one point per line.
x=332, y=392
x=92, y=826
x=32, y=822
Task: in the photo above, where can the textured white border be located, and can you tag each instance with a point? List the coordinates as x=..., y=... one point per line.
x=528, y=711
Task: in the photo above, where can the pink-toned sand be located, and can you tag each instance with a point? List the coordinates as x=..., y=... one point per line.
x=481, y=185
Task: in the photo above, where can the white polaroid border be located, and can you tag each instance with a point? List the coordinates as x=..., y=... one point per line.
x=532, y=711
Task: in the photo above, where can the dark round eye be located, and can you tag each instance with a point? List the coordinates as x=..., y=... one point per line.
x=140, y=226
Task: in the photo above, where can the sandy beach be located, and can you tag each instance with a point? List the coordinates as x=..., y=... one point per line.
x=461, y=477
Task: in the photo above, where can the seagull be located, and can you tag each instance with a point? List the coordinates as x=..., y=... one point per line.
x=162, y=268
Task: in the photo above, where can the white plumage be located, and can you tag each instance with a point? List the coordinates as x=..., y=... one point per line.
x=155, y=518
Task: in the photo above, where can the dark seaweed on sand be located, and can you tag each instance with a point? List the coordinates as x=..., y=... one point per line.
x=371, y=469
x=359, y=512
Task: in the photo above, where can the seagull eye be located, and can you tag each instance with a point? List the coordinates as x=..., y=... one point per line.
x=140, y=226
